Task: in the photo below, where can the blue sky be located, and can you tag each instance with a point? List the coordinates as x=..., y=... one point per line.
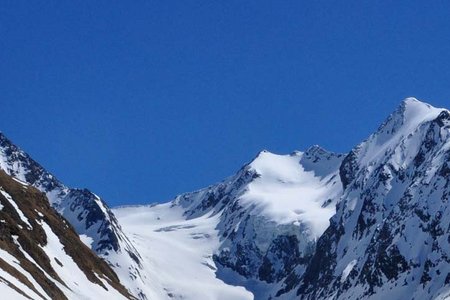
x=142, y=100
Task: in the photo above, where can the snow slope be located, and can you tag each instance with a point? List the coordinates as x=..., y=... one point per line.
x=177, y=253
x=280, y=200
x=288, y=193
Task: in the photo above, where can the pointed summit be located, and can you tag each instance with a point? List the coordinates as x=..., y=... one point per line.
x=319, y=151
x=315, y=149
x=415, y=109
x=407, y=117
x=404, y=122
x=412, y=101
x=261, y=155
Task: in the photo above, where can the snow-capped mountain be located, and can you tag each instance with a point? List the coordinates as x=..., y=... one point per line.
x=250, y=230
x=373, y=223
x=390, y=235
x=41, y=256
x=86, y=212
x=369, y=224
x=283, y=202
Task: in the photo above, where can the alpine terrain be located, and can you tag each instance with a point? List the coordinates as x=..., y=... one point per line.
x=372, y=223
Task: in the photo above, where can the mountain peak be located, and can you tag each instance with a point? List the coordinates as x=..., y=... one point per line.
x=406, y=118
x=315, y=148
x=411, y=101
x=262, y=156
x=414, y=102
x=319, y=151
x=395, y=131
x=411, y=106
x=412, y=112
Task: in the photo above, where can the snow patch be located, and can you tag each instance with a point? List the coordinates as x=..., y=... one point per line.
x=87, y=240
x=348, y=269
x=288, y=194
x=16, y=207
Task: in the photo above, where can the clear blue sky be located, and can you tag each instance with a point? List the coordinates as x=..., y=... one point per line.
x=142, y=100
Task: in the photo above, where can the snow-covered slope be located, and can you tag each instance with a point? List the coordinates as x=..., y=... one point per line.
x=41, y=256
x=251, y=229
x=178, y=263
x=294, y=189
x=86, y=212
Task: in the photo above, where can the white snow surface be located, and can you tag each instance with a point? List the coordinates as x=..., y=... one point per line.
x=287, y=193
x=11, y=260
x=176, y=253
x=78, y=285
x=348, y=269
x=87, y=240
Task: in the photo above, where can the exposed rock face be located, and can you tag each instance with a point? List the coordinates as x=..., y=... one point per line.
x=32, y=263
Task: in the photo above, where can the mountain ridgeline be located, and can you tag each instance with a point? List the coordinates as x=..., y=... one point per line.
x=369, y=224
